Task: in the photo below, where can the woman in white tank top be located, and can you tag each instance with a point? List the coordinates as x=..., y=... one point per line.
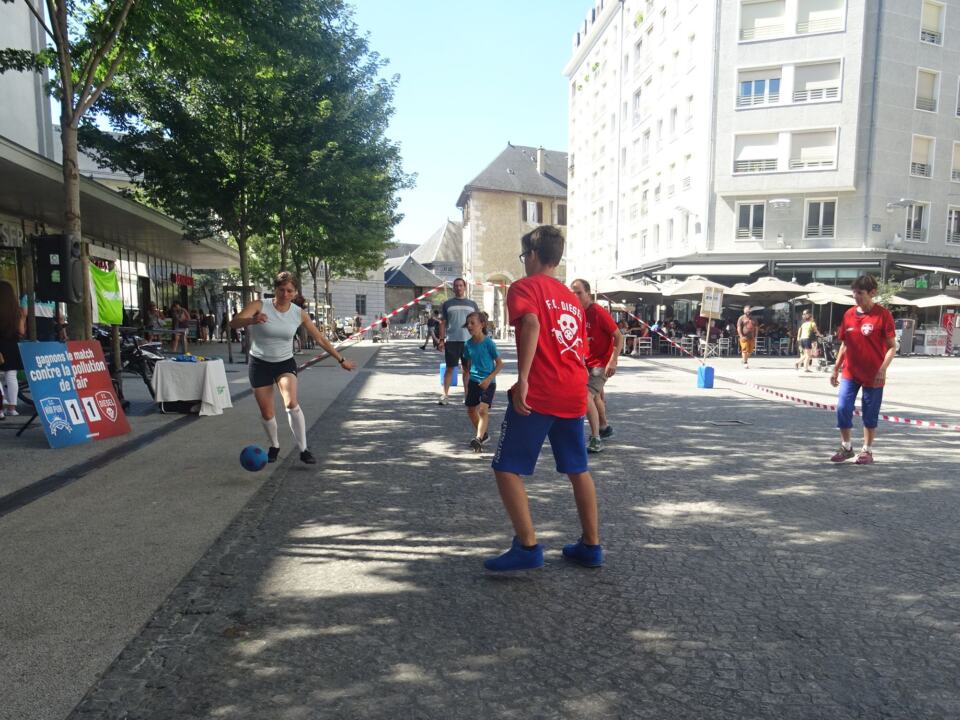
x=272, y=324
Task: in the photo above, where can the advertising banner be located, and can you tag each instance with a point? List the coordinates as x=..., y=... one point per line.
x=72, y=392
x=107, y=301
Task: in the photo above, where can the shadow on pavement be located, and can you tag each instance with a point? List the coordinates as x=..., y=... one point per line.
x=747, y=577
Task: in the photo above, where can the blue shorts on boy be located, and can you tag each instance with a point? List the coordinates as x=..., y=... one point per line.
x=870, y=399
x=477, y=395
x=482, y=356
x=522, y=436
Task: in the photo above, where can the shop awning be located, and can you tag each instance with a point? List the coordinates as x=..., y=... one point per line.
x=31, y=188
x=931, y=268
x=707, y=269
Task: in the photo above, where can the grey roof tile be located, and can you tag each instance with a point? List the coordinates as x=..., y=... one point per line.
x=515, y=170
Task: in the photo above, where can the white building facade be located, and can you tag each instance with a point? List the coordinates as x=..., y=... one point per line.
x=823, y=137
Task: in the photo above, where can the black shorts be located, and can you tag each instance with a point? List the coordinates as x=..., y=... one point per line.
x=806, y=343
x=477, y=395
x=453, y=353
x=263, y=373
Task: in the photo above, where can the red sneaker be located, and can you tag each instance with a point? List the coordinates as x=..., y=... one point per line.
x=842, y=454
x=864, y=458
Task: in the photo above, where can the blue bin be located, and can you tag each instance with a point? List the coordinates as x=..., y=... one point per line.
x=443, y=371
x=705, y=377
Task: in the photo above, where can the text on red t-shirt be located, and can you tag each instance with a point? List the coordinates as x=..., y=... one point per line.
x=558, y=378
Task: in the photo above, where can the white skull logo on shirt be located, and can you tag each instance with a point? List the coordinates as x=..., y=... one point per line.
x=567, y=335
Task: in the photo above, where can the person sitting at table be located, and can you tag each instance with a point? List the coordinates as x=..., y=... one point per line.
x=272, y=325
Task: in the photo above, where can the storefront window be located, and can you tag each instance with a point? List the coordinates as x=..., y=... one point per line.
x=8, y=268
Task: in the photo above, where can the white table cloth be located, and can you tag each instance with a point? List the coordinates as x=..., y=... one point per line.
x=205, y=382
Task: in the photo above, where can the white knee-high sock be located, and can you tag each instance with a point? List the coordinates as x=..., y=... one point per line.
x=270, y=427
x=299, y=426
x=10, y=388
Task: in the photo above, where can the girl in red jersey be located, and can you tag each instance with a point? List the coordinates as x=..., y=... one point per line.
x=868, y=344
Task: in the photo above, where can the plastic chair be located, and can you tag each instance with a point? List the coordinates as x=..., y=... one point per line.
x=644, y=346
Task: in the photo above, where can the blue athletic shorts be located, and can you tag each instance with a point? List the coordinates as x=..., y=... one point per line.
x=870, y=401
x=522, y=436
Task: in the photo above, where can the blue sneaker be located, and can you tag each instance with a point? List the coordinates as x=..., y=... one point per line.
x=516, y=558
x=583, y=554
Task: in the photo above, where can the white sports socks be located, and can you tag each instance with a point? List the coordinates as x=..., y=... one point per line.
x=270, y=426
x=299, y=426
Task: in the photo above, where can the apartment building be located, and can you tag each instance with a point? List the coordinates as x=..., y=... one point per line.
x=824, y=142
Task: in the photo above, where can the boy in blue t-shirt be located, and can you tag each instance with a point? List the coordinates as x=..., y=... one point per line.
x=485, y=363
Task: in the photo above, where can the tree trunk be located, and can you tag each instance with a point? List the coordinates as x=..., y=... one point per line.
x=244, y=269
x=327, y=298
x=80, y=320
x=283, y=244
x=28, y=285
x=313, y=265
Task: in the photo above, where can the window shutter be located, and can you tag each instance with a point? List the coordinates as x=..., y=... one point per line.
x=539, y=212
x=561, y=214
x=523, y=210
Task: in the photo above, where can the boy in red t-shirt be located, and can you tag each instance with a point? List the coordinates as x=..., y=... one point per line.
x=548, y=400
x=868, y=344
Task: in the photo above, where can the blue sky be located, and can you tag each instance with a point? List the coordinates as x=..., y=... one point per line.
x=472, y=77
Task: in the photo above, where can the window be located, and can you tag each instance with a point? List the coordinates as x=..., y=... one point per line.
x=659, y=133
x=637, y=107
x=953, y=226
x=645, y=148
x=955, y=167
x=673, y=121
x=643, y=243
x=750, y=221
x=813, y=150
x=821, y=219
x=637, y=53
x=689, y=115
x=756, y=153
x=361, y=304
x=931, y=23
x=643, y=202
x=916, y=229
x=758, y=90
x=762, y=20
x=531, y=212
x=656, y=194
x=561, y=214
x=817, y=82
x=927, y=87
x=670, y=232
x=921, y=156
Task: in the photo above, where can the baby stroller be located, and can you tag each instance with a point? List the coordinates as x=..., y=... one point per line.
x=827, y=356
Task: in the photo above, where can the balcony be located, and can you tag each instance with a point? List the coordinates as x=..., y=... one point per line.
x=926, y=103
x=955, y=175
x=921, y=169
x=816, y=94
x=915, y=233
x=819, y=231
x=752, y=100
x=934, y=37
x=685, y=183
x=812, y=163
x=755, y=166
x=953, y=238
x=744, y=233
x=762, y=32
x=819, y=25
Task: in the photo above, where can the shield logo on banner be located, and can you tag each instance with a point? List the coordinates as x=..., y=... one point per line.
x=107, y=405
x=56, y=415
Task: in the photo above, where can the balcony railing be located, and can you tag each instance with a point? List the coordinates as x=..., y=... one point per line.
x=955, y=175
x=914, y=233
x=752, y=100
x=745, y=233
x=926, y=103
x=755, y=166
x=811, y=163
x=819, y=231
x=934, y=37
x=920, y=169
x=685, y=183
x=816, y=94
x=820, y=25
x=759, y=33
x=953, y=237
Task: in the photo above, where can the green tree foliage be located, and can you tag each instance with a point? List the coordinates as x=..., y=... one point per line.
x=260, y=119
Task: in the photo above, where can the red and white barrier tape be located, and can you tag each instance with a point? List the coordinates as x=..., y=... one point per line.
x=658, y=333
x=360, y=333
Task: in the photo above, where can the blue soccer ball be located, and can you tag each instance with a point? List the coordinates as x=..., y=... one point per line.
x=253, y=458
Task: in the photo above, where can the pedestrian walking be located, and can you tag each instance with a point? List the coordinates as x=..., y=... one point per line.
x=485, y=364
x=452, y=335
x=272, y=325
x=605, y=342
x=807, y=334
x=549, y=399
x=747, y=333
x=180, y=324
x=13, y=328
x=433, y=327
x=385, y=329
x=868, y=342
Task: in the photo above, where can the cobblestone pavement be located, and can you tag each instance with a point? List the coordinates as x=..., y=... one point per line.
x=746, y=578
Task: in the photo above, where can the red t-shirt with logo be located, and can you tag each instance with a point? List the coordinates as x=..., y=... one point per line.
x=558, y=378
x=865, y=336
x=600, y=330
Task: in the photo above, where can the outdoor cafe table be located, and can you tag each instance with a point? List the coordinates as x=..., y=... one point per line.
x=204, y=382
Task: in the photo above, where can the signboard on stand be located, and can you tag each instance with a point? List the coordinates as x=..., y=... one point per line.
x=711, y=306
x=72, y=392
